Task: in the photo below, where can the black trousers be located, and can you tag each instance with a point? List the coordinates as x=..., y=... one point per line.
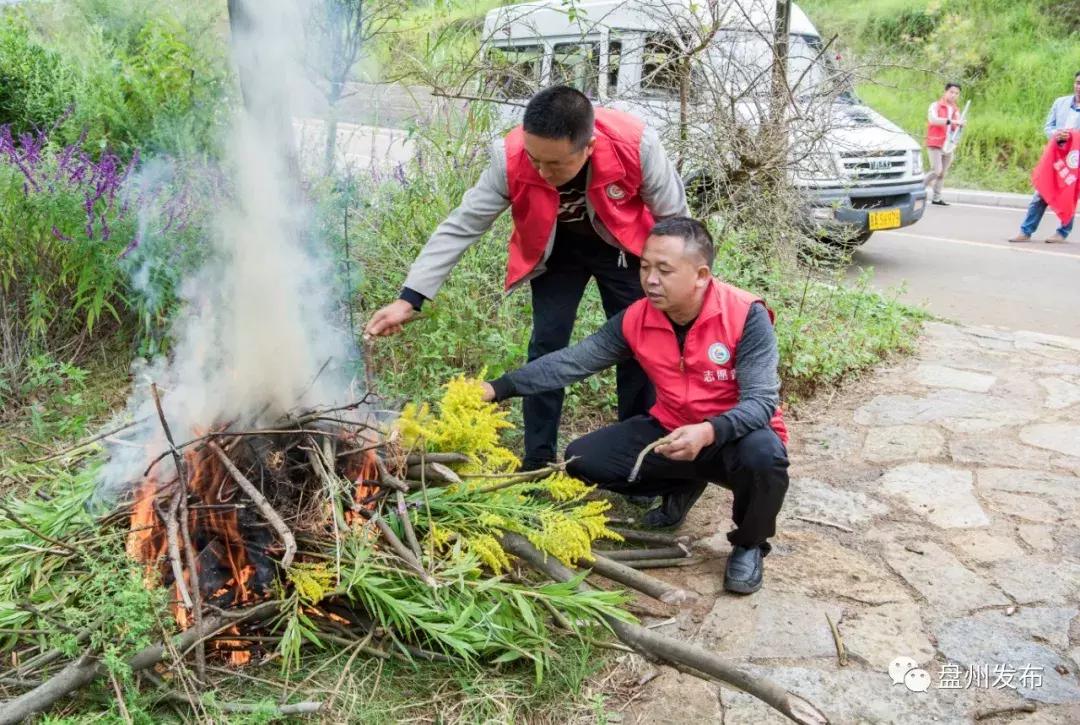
x=556, y=295
x=754, y=467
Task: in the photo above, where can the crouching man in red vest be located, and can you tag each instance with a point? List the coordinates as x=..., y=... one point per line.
x=584, y=186
x=710, y=351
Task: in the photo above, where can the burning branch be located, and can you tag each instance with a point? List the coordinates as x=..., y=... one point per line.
x=261, y=504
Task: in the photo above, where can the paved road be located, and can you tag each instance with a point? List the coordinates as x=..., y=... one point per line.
x=956, y=261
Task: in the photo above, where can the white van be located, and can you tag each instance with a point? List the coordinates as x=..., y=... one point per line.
x=866, y=173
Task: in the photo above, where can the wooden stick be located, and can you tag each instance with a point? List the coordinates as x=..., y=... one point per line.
x=193, y=573
x=650, y=537
x=395, y=544
x=179, y=506
x=1010, y=710
x=636, y=470
x=261, y=503
x=88, y=441
x=822, y=522
x=660, y=648
x=172, y=538
x=433, y=471
x=661, y=563
x=406, y=524
x=841, y=652
x=416, y=459
x=87, y=668
x=669, y=552
x=634, y=579
x=389, y=480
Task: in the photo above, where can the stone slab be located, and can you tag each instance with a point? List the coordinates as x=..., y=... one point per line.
x=1034, y=579
x=941, y=376
x=902, y=443
x=973, y=642
x=1040, y=538
x=1060, y=437
x=959, y=411
x=986, y=547
x=770, y=624
x=1028, y=481
x=816, y=499
x=849, y=696
x=947, y=585
x=1045, y=625
x=1061, y=393
x=877, y=635
x=1029, y=508
x=985, y=450
x=1059, y=342
x=942, y=494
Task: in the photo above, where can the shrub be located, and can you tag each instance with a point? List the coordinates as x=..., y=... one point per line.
x=70, y=231
x=36, y=85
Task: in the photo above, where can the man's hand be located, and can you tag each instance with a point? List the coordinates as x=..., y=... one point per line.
x=685, y=443
x=489, y=393
x=389, y=320
x=1061, y=135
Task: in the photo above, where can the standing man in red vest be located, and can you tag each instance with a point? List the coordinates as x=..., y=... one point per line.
x=710, y=351
x=942, y=118
x=584, y=187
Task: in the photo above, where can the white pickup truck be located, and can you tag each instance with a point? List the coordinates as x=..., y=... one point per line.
x=866, y=173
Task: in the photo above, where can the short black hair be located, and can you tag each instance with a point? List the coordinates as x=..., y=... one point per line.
x=950, y=84
x=560, y=112
x=694, y=234
x=1077, y=75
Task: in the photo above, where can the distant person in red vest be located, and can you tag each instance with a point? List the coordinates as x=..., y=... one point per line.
x=1064, y=116
x=584, y=186
x=711, y=353
x=942, y=118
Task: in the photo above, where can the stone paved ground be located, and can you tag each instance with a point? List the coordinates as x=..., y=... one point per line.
x=954, y=481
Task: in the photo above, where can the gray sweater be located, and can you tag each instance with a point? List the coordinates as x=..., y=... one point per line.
x=756, y=361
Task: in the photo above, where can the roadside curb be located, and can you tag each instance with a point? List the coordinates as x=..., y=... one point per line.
x=987, y=198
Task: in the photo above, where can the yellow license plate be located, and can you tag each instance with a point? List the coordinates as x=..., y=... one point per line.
x=884, y=219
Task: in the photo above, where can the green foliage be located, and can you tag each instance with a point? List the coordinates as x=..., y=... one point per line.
x=36, y=85
x=1012, y=58
x=136, y=74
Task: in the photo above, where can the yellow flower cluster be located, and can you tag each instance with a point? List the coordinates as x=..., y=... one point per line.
x=440, y=536
x=312, y=581
x=489, y=551
x=565, y=488
x=568, y=535
x=464, y=423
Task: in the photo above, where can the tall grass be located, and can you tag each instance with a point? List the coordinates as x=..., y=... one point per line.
x=1013, y=57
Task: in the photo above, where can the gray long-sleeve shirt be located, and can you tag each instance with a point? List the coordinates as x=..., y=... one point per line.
x=661, y=190
x=756, y=361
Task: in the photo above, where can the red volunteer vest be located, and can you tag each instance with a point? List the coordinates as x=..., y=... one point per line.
x=1055, y=176
x=701, y=383
x=935, y=135
x=613, y=191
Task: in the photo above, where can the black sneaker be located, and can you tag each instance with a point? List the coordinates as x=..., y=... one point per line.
x=641, y=501
x=745, y=567
x=532, y=464
x=673, y=508
x=940, y=202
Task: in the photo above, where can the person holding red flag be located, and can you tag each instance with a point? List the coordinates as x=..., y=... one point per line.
x=1055, y=176
x=1064, y=116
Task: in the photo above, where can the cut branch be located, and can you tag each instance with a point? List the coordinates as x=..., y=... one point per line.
x=261, y=504
x=659, y=648
x=87, y=668
x=634, y=579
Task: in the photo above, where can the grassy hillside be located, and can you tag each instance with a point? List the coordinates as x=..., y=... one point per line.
x=1013, y=58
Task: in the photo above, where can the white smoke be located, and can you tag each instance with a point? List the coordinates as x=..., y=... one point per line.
x=257, y=334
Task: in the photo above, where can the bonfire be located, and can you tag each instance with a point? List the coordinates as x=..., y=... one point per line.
x=413, y=540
